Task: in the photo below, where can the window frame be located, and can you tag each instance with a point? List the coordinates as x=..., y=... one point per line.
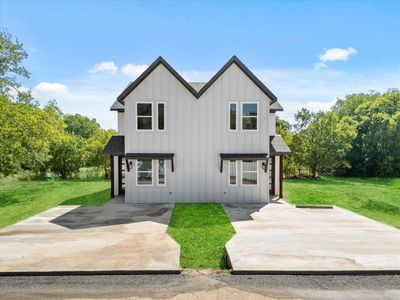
x=241, y=173
x=152, y=174
x=157, y=112
x=242, y=116
x=137, y=116
x=158, y=173
x=229, y=115
x=229, y=173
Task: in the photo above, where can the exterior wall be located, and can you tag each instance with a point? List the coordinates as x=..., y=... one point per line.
x=277, y=170
x=197, y=132
x=272, y=123
x=116, y=172
x=121, y=123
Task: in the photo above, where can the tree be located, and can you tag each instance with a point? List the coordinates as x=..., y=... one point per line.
x=81, y=126
x=66, y=156
x=12, y=54
x=323, y=140
x=94, y=150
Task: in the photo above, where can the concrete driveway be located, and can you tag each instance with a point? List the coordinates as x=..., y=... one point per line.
x=279, y=237
x=114, y=237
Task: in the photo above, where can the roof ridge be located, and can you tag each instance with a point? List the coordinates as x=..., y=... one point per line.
x=196, y=94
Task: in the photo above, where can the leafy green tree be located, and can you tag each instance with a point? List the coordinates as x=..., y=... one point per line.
x=66, y=156
x=94, y=149
x=12, y=54
x=323, y=141
x=81, y=126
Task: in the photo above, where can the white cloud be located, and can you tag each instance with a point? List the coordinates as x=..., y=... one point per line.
x=50, y=88
x=133, y=70
x=333, y=54
x=104, y=67
x=316, y=106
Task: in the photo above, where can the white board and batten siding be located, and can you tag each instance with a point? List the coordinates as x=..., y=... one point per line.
x=121, y=123
x=197, y=131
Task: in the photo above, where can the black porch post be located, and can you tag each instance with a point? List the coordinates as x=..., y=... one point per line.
x=281, y=176
x=112, y=175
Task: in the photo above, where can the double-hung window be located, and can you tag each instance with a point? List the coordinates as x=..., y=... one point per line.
x=232, y=172
x=161, y=180
x=144, y=172
x=144, y=116
x=160, y=116
x=232, y=116
x=249, y=116
x=249, y=172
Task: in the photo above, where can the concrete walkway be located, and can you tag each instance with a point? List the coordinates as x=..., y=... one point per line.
x=112, y=237
x=279, y=237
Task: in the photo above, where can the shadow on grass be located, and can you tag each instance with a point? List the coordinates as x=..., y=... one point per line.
x=97, y=198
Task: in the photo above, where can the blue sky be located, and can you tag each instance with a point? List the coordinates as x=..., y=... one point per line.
x=83, y=53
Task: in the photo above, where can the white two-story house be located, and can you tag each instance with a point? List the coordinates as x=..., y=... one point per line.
x=182, y=141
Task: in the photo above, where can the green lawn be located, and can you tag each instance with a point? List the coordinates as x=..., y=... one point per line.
x=22, y=199
x=376, y=198
x=202, y=230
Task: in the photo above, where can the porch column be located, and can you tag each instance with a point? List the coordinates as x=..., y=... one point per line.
x=112, y=175
x=115, y=179
x=281, y=176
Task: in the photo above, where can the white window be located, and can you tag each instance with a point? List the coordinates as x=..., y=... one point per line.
x=160, y=116
x=144, y=172
x=249, y=172
x=249, y=116
x=144, y=116
x=161, y=178
x=232, y=172
x=232, y=116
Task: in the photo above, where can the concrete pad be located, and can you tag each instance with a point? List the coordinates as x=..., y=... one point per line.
x=279, y=237
x=108, y=238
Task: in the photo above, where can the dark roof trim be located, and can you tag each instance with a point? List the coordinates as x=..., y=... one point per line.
x=243, y=156
x=117, y=109
x=149, y=155
x=115, y=146
x=196, y=94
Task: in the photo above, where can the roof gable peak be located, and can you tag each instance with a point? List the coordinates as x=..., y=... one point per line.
x=197, y=94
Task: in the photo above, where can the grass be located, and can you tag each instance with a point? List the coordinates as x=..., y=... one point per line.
x=22, y=199
x=202, y=230
x=376, y=198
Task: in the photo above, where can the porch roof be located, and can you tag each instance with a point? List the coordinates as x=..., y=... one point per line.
x=115, y=146
x=278, y=146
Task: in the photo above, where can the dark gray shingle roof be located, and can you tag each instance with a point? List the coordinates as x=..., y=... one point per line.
x=117, y=106
x=115, y=146
x=276, y=106
x=278, y=146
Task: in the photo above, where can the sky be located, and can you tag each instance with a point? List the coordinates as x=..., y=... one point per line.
x=308, y=53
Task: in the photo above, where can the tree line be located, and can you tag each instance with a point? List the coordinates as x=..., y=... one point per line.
x=42, y=139
x=359, y=136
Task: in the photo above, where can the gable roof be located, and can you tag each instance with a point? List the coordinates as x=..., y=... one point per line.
x=278, y=146
x=117, y=106
x=197, y=94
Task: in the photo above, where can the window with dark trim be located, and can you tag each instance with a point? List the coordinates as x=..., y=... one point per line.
x=144, y=116
x=232, y=116
x=160, y=116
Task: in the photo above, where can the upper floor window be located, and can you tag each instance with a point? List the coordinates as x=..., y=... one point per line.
x=160, y=116
x=249, y=115
x=232, y=116
x=144, y=116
